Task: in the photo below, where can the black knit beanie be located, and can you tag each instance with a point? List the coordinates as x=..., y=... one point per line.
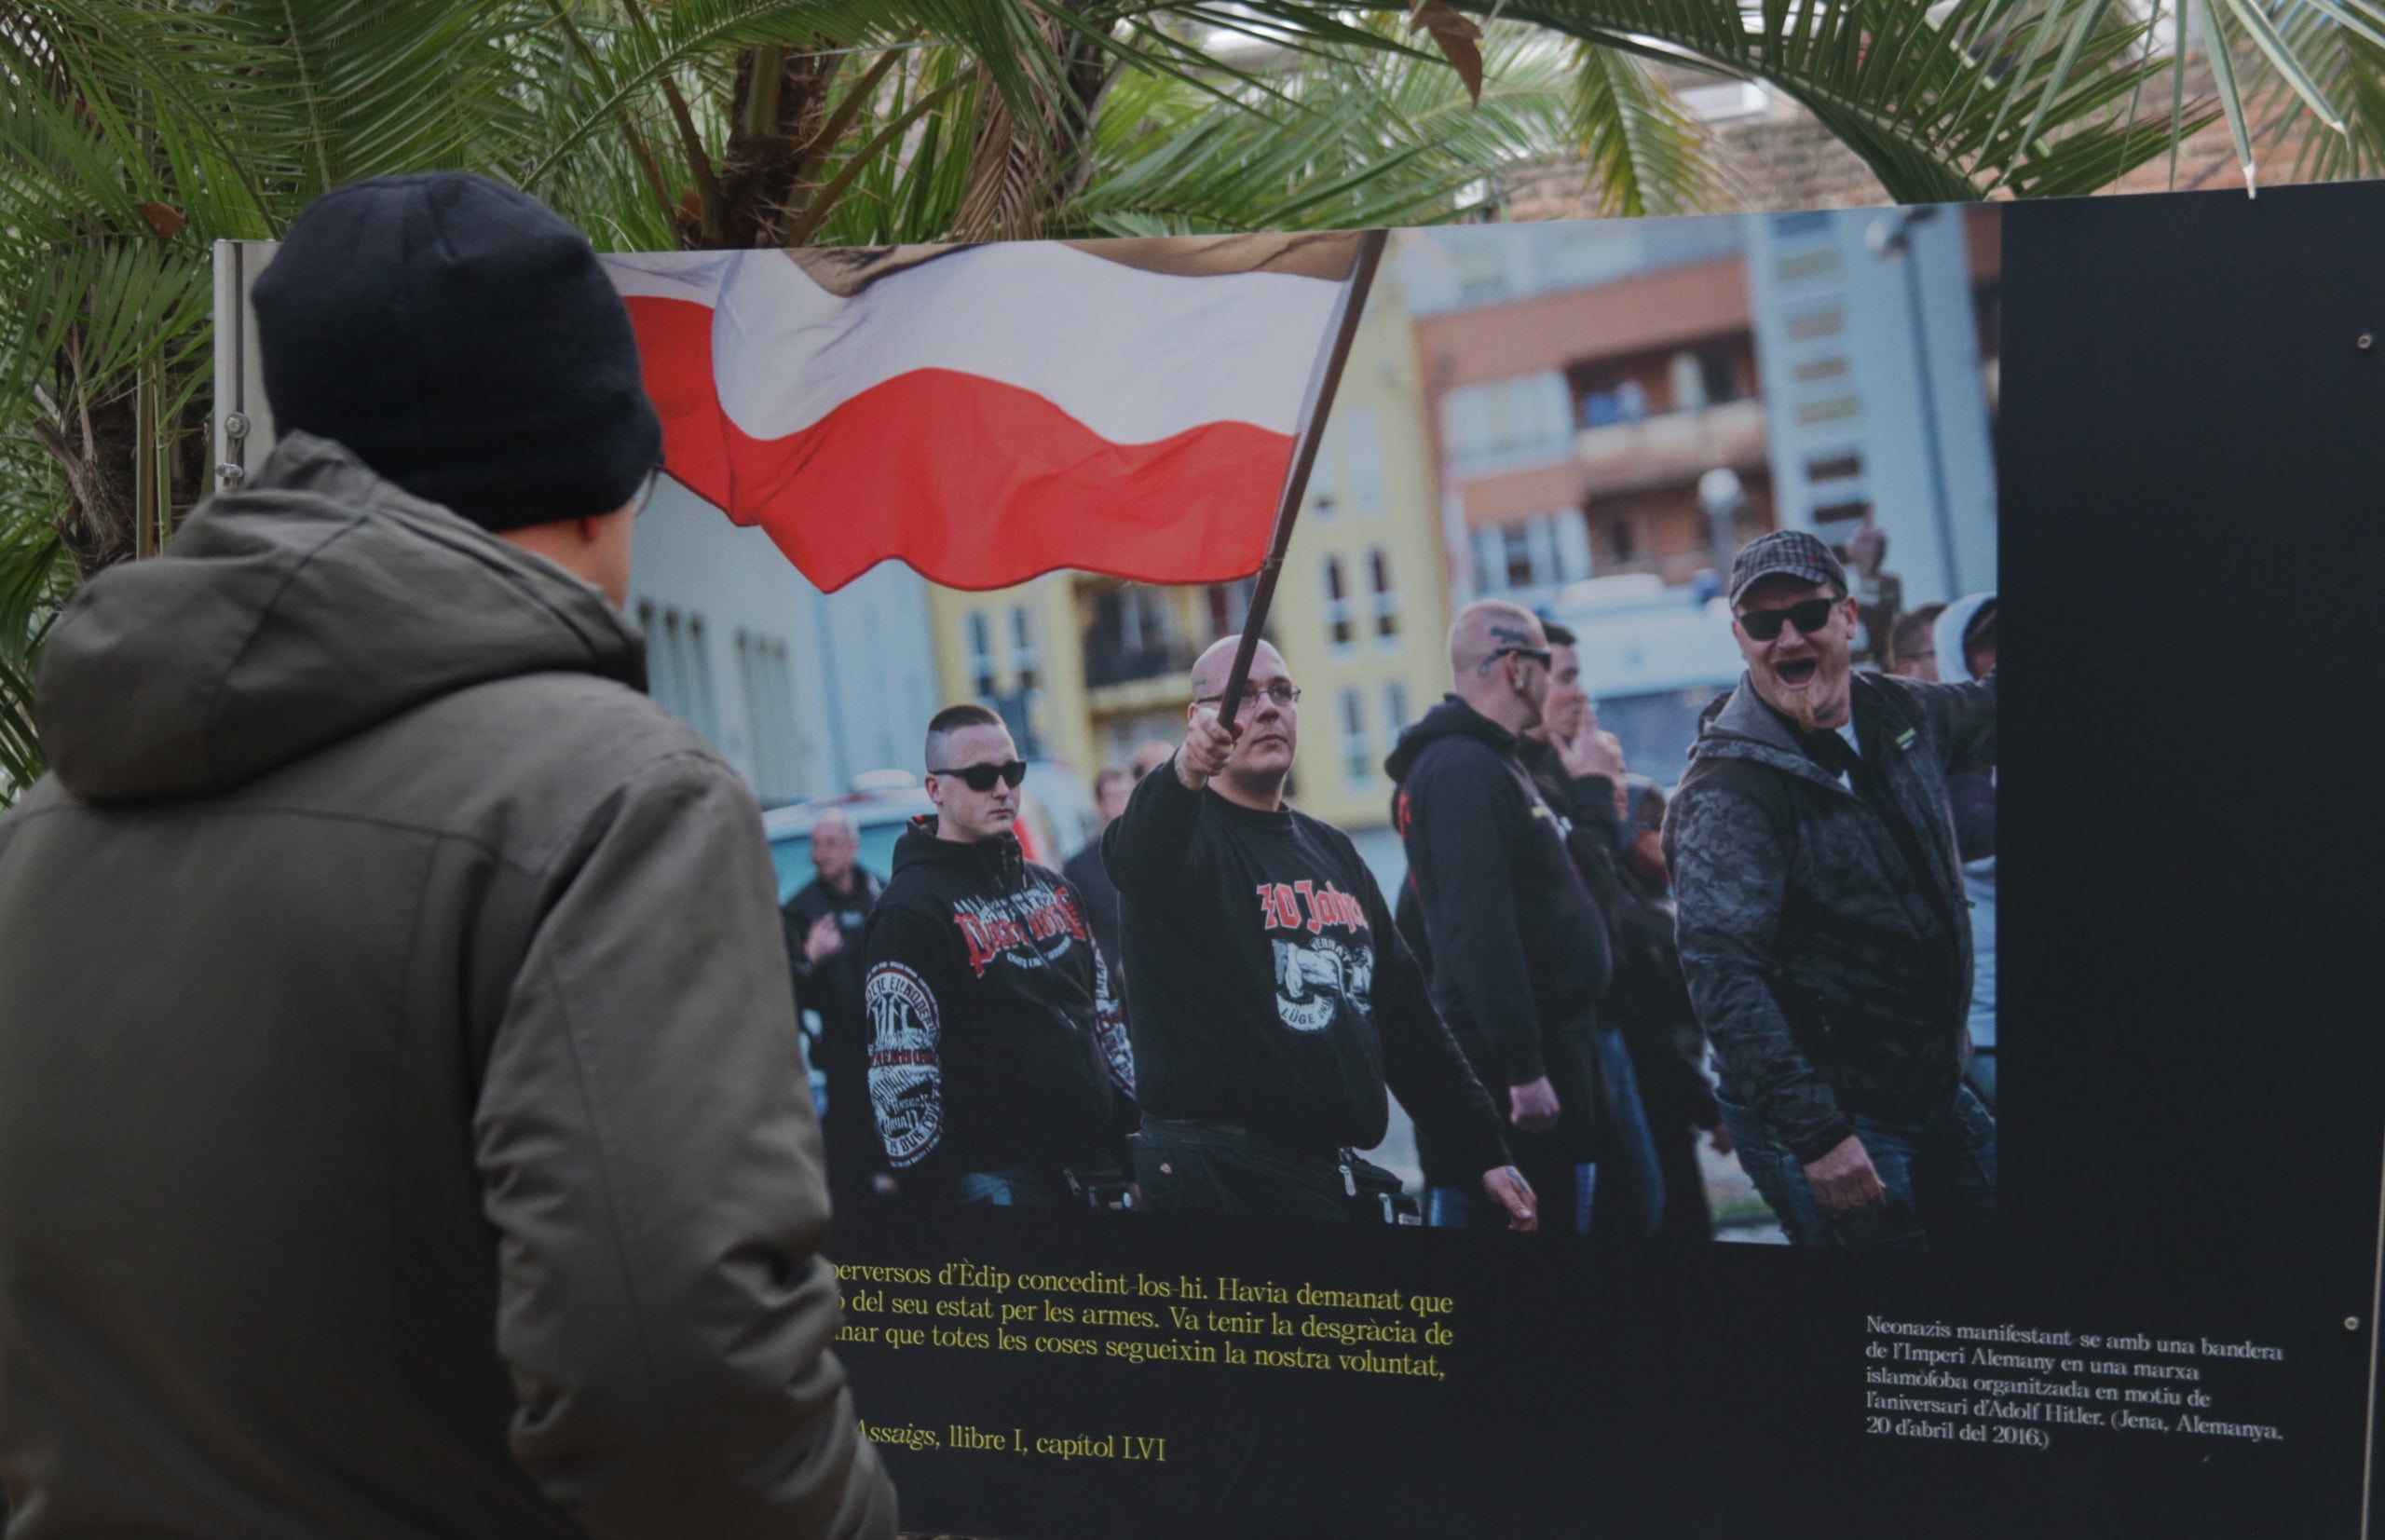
x=463, y=341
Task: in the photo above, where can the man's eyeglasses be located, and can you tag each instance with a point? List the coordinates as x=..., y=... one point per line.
x=1808, y=617
x=644, y=494
x=1285, y=696
x=1010, y=772
x=1540, y=655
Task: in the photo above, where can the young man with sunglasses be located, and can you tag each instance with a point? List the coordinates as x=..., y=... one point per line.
x=1521, y=954
x=1273, y=1001
x=1823, y=923
x=997, y=1067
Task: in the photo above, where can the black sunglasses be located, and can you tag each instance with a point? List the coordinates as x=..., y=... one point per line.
x=1540, y=655
x=1808, y=615
x=1010, y=772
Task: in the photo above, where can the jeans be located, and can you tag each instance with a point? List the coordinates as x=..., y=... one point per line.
x=1565, y=1202
x=1187, y=1167
x=1628, y=1205
x=1983, y=1075
x=1632, y=1202
x=1011, y=1187
x=1938, y=1170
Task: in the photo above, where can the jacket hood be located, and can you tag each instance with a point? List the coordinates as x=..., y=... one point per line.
x=1746, y=728
x=315, y=602
x=1451, y=719
x=1946, y=635
x=920, y=846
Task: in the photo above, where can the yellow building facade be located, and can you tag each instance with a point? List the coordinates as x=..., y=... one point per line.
x=1089, y=667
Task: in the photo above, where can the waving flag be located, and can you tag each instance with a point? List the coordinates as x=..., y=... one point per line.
x=989, y=413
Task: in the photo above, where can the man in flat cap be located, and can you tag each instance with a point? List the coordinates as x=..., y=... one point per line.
x=1822, y=920
x=403, y=1130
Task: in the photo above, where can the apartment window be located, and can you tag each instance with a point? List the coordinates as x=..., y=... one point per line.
x=1831, y=368
x=1721, y=375
x=1515, y=555
x=1395, y=708
x=1022, y=633
x=981, y=656
x=1357, y=756
x=1229, y=606
x=1827, y=409
x=678, y=672
x=1806, y=265
x=1363, y=439
x=1688, y=382
x=1523, y=415
x=1337, y=604
x=704, y=717
x=1828, y=321
x=1809, y=223
x=1569, y=533
x=1539, y=552
x=766, y=687
x=1482, y=273
x=1622, y=532
x=1835, y=467
x=1325, y=493
x=1386, y=601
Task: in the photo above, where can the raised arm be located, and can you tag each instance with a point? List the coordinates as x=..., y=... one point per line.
x=1145, y=848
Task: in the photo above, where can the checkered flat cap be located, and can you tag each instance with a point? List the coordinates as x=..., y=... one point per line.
x=1790, y=552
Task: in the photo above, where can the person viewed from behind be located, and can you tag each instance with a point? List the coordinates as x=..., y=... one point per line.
x=998, y=1065
x=1822, y=920
x=434, y=1163
x=1092, y=879
x=1274, y=1000
x=1521, y=958
x=825, y=923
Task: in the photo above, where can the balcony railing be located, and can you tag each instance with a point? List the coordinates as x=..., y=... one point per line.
x=1672, y=446
x=1108, y=662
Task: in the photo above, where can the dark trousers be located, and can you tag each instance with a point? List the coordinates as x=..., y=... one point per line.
x=1939, y=1170
x=1187, y=1167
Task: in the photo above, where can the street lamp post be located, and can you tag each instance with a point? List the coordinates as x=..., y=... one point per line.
x=1722, y=496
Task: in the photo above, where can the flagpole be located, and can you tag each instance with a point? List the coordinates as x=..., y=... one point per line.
x=1353, y=302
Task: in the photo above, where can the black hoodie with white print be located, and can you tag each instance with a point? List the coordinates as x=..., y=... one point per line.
x=993, y=1040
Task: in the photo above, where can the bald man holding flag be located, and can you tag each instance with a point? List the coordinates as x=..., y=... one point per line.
x=1273, y=1003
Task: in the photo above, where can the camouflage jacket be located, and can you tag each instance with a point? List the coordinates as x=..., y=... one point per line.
x=1832, y=973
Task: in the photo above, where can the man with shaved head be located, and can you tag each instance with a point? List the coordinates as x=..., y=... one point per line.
x=997, y=1067
x=1521, y=956
x=1274, y=1002
x=823, y=922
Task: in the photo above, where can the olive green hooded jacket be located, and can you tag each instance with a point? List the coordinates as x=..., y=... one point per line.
x=403, y=1131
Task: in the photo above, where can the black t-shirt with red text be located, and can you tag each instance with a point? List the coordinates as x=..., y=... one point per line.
x=1269, y=988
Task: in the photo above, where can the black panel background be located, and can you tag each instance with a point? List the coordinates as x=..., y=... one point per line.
x=2192, y=465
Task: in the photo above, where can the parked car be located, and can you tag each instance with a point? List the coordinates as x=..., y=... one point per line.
x=1057, y=816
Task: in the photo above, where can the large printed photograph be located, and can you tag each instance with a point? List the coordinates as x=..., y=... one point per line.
x=1604, y=840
